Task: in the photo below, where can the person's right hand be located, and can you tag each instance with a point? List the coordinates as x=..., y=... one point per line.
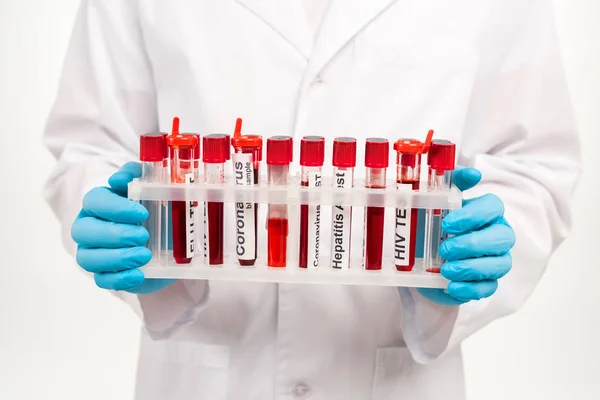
x=110, y=238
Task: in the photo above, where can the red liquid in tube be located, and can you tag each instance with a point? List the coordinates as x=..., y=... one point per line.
x=408, y=164
x=312, y=155
x=215, y=149
x=182, y=213
x=376, y=162
x=279, y=157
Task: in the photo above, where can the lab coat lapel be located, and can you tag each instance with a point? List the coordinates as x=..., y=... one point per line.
x=287, y=18
x=344, y=19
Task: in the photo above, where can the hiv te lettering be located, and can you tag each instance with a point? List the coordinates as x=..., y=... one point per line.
x=400, y=242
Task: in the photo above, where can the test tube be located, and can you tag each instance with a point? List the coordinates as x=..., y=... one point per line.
x=376, y=163
x=279, y=157
x=408, y=170
x=246, y=172
x=441, y=164
x=312, y=155
x=152, y=150
x=167, y=232
x=182, y=212
x=214, y=157
x=344, y=162
x=197, y=213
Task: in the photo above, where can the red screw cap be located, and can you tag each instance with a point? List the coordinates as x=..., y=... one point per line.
x=226, y=148
x=377, y=152
x=280, y=150
x=197, y=149
x=216, y=147
x=152, y=147
x=312, y=151
x=441, y=155
x=344, y=152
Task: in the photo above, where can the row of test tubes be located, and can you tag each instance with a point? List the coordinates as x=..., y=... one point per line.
x=176, y=158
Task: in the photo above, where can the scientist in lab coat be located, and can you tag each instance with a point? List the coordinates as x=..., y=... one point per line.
x=485, y=74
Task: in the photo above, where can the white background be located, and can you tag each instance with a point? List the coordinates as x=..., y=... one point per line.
x=60, y=337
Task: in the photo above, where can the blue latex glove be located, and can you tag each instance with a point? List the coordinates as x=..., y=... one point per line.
x=110, y=238
x=478, y=255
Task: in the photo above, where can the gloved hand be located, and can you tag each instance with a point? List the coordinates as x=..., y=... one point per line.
x=109, y=238
x=478, y=255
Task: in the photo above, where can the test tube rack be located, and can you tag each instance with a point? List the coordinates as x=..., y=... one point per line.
x=294, y=195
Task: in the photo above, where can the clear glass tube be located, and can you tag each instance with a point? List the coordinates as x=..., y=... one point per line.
x=213, y=217
x=438, y=180
x=408, y=171
x=374, y=223
x=154, y=172
x=277, y=220
x=310, y=221
x=341, y=221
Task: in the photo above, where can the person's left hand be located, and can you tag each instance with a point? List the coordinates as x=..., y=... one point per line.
x=479, y=252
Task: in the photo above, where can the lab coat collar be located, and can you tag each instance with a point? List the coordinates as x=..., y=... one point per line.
x=286, y=18
x=344, y=19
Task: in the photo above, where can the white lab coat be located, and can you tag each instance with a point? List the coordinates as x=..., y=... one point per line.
x=485, y=74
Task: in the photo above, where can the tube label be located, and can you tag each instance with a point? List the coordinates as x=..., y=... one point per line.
x=245, y=240
x=402, y=238
x=341, y=224
x=314, y=224
x=190, y=222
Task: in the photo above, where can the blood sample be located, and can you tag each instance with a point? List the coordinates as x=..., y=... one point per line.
x=408, y=172
x=182, y=212
x=214, y=157
x=279, y=157
x=376, y=163
x=246, y=165
x=441, y=164
x=312, y=155
x=344, y=161
x=152, y=150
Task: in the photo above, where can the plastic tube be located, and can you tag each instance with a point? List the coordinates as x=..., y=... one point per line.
x=246, y=172
x=441, y=164
x=312, y=155
x=198, y=215
x=152, y=150
x=408, y=170
x=376, y=163
x=182, y=212
x=167, y=232
x=279, y=157
x=214, y=156
x=344, y=162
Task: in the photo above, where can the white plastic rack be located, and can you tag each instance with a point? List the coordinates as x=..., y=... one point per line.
x=293, y=196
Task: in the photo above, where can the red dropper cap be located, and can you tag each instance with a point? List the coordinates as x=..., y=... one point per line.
x=216, y=148
x=238, y=140
x=377, y=153
x=312, y=151
x=184, y=143
x=441, y=155
x=152, y=147
x=407, y=150
x=344, y=152
x=280, y=150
